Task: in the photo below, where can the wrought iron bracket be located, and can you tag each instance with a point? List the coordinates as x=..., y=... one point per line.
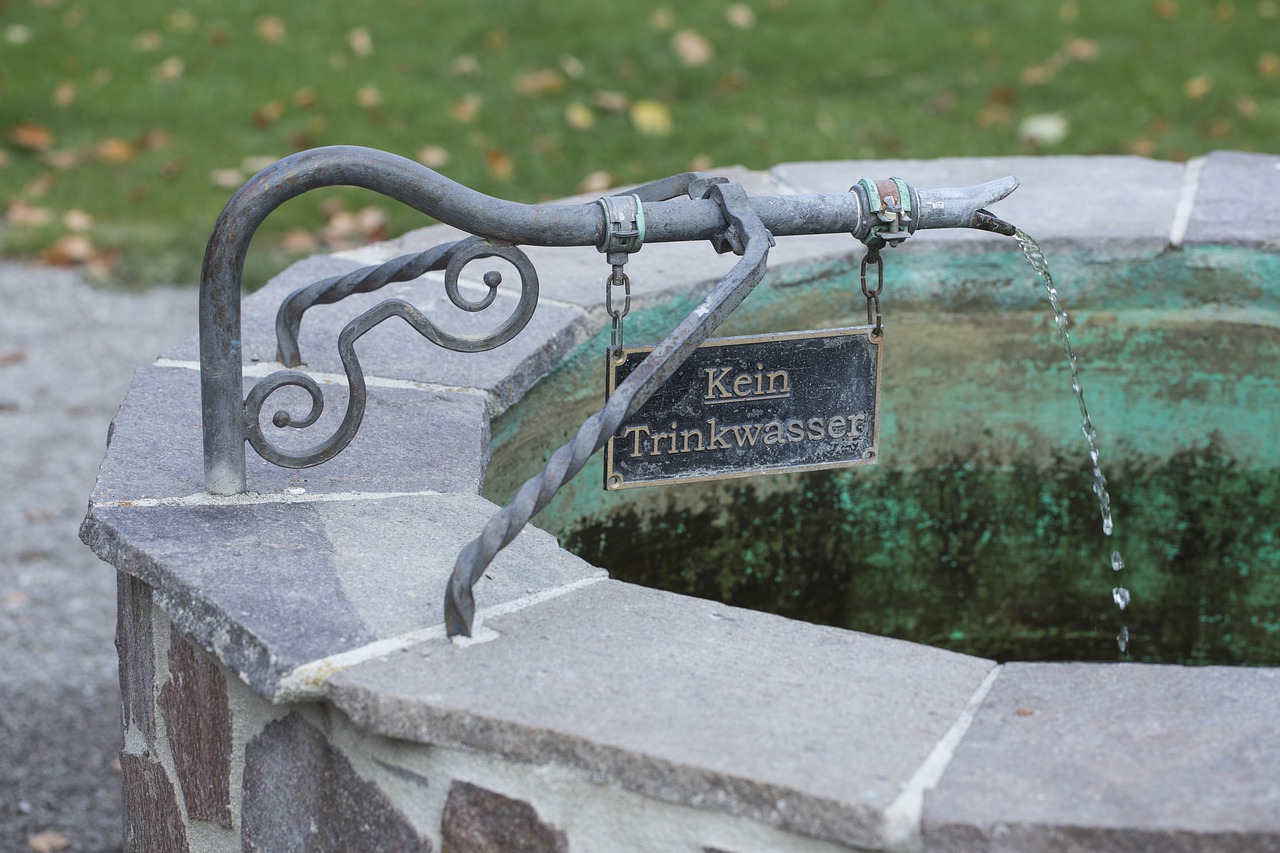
x=714, y=210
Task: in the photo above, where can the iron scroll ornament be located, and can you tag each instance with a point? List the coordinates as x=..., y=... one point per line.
x=713, y=210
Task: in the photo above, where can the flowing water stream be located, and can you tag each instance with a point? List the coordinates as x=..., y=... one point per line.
x=1032, y=252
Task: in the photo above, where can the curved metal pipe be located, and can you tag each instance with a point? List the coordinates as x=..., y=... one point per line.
x=221, y=375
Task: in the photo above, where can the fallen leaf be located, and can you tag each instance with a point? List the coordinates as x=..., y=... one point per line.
x=360, y=41
x=48, y=841
x=1025, y=712
x=169, y=70
x=730, y=83
x=1084, y=50
x=543, y=81
x=1220, y=128
x=1068, y=12
x=65, y=95
x=305, y=98
x=433, y=156
x=661, y=19
x=1268, y=65
x=651, y=118
x=594, y=182
x=501, y=166
x=39, y=186
x=13, y=356
x=68, y=251
x=31, y=136
x=4, y=158
x=579, y=116
x=181, y=20
x=466, y=64
x=63, y=160
x=270, y=29
x=1199, y=86
x=614, y=102
x=17, y=34
x=146, y=41
x=114, y=150
x=740, y=16
x=268, y=114
x=14, y=598
x=691, y=48
x=1166, y=9
x=1043, y=129
x=496, y=40
x=701, y=163
x=172, y=168
x=466, y=108
x=254, y=164
x=368, y=97
x=23, y=215
x=1246, y=106
x=1142, y=147
x=154, y=139
x=992, y=115
x=1224, y=11
x=297, y=241
x=572, y=67
x=77, y=220
x=227, y=179
x=943, y=102
x=1268, y=8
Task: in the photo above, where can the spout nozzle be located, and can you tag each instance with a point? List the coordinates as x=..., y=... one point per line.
x=983, y=220
x=958, y=207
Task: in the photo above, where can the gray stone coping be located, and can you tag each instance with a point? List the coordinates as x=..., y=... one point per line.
x=325, y=584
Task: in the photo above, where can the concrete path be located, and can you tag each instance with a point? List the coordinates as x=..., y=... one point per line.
x=67, y=353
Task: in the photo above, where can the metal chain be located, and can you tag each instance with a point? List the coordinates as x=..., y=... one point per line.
x=617, y=278
x=872, y=257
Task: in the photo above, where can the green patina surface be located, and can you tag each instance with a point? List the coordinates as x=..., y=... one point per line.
x=978, y=530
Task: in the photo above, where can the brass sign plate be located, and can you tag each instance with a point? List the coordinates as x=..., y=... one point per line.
x=738, y=407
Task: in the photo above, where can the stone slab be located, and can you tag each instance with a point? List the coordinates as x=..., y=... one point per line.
x=1133, y=757
x=271, y=586
x=393, y=350
x=809, y=728
x=1115, y=207
x=410, y=441
x=1237, y=201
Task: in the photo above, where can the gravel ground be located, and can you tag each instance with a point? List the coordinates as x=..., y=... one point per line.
x=67, y=353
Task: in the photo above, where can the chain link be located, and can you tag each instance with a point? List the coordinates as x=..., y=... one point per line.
x=872, y=257
x=617, y=278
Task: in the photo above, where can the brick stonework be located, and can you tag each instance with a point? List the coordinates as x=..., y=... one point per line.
x=152, y=821
x=300, y=794
x=198, y=719
x=481, y=821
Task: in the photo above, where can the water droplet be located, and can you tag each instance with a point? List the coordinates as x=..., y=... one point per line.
x=1121, y=597
x=1122, y=639
x=1117, y=562
x=1107, y=526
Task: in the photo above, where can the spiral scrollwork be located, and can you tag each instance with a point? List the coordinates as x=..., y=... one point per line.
x=452, y=258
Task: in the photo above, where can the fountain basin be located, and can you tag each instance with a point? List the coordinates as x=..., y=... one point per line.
x=283, y=660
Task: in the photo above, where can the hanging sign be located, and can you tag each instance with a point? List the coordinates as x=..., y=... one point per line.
x=738, y=407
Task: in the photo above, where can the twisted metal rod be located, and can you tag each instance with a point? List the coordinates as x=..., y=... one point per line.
x=747, y=234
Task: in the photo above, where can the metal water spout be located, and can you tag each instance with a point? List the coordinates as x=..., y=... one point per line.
x=690, y=206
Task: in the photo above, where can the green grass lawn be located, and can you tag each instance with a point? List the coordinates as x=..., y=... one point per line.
x=124, y=127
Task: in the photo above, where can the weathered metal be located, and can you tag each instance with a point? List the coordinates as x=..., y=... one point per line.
x=761, y=404
x=690, y=206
